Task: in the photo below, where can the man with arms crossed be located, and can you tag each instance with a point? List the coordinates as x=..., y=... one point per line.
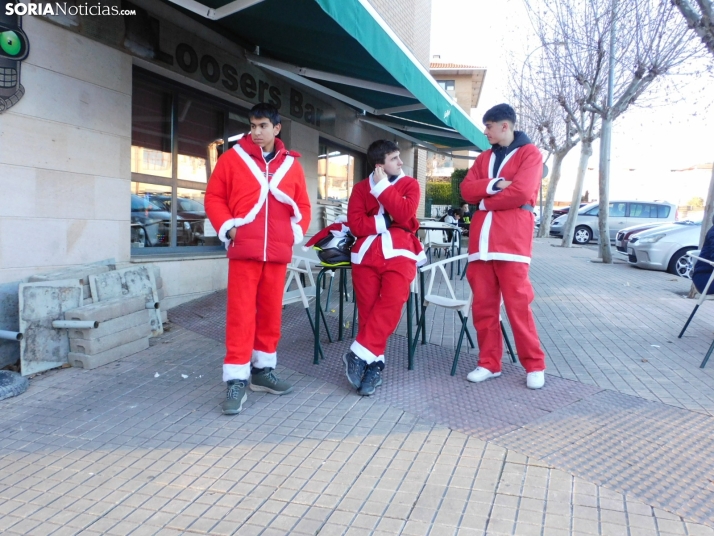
x=257, y=199
x=503, y=183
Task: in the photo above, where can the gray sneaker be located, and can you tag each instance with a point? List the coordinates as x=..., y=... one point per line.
x=354, y=368
x=371, y=380
x=266, y=380
x=235, y=396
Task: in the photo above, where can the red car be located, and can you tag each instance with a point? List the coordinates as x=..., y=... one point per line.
x=563, y=210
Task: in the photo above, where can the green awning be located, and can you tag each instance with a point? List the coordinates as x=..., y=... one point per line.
x=345, y=49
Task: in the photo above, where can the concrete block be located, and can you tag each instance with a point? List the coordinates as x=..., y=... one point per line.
x=94, y=361
x=108, y=309
x=87, y=301
x=86, y=291
x=120, y=265
x=107, y=342
x=81, y=273
x=134, y=281
x=157, y=278
x=112, y=326
x=162, y=294
x=44, y=347
x=164, y=316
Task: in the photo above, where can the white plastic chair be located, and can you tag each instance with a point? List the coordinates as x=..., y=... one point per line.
x=436, y=238
x=449, y=301
x=702, y=297
x=299, y=269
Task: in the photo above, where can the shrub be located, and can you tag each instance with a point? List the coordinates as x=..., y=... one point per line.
x=440, y=193
x=457, y=178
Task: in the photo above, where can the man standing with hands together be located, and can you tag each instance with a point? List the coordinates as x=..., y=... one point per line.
x=503, y=183
x=257, y=199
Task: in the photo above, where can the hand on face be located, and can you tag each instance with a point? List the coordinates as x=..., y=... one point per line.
x=379, y=174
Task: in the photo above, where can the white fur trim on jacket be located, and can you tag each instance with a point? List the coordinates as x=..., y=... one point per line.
x=364, y=354
x=495, y=256
x=380, y=223
x=263, y=359
x=223, y=231
x=298, y=235
x=236, y=372
x=262, y=180
x=378, y=188
x=493, y=173
x=281, y=196
x=390, y=251
x=489, y=189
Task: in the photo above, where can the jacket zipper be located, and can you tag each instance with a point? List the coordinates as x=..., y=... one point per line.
x=267, y=179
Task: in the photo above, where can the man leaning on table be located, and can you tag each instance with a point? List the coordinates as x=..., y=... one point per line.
x=382, y=216
x=503, y=183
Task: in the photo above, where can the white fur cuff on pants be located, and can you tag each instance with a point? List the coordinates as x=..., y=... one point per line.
x=364, y=354
x=264, y=359
x=236, y=372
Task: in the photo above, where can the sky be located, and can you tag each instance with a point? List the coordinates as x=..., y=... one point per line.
x=647, y=143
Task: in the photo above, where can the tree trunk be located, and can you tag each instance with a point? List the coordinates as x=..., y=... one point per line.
x=706, y=222
x=586, y=151
x=547, y=212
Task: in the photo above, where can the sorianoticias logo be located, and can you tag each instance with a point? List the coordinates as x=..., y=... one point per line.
x=14, y=47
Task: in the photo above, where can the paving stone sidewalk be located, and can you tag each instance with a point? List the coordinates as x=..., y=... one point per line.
x=140, y=446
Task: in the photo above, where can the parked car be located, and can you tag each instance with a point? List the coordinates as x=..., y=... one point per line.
x=188, y=210
x=622, y=214
x=665, y=247
x=564, y=210
x=623, y=236
x=151, y=225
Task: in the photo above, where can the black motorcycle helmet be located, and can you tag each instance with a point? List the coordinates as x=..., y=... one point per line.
x=334, y=250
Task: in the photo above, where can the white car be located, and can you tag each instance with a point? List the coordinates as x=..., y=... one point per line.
x=622, y=214
x=665, y=247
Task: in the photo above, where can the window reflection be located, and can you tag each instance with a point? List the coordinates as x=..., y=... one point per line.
x=335, y=174
x=200, y=128
x=150, y=218
x=150, y=130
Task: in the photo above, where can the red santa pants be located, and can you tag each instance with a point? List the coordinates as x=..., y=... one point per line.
x=489, y=281
x=253, y=315
x=381, y=289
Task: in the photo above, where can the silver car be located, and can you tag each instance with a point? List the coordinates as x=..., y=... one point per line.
x=622, y=214
x=665, y=247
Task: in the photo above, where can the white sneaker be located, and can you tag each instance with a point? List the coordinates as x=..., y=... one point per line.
x=480, y=374
x=535, y=380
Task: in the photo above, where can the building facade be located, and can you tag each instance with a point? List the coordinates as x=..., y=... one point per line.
x=123, y=116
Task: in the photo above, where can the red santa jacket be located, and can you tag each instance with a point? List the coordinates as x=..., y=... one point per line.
x=266, y=201
x=365, y=213
x=500, y=229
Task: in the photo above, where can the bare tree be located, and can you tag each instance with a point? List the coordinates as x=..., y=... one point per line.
x=533, y=90
x=699, y=17
x=650, y=43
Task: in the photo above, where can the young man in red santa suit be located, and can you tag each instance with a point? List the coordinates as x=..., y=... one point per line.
x=503, y=183
x=257, y=199
x=382, y=216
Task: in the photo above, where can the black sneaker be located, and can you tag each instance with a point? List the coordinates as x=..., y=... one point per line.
x=354, y=368
x=266, y=380
x=235, y=396
x=371, y=380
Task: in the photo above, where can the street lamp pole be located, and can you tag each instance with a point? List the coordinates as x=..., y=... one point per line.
x=605, y=149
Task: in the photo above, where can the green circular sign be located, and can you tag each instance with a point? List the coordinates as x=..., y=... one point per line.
x=10, y=43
